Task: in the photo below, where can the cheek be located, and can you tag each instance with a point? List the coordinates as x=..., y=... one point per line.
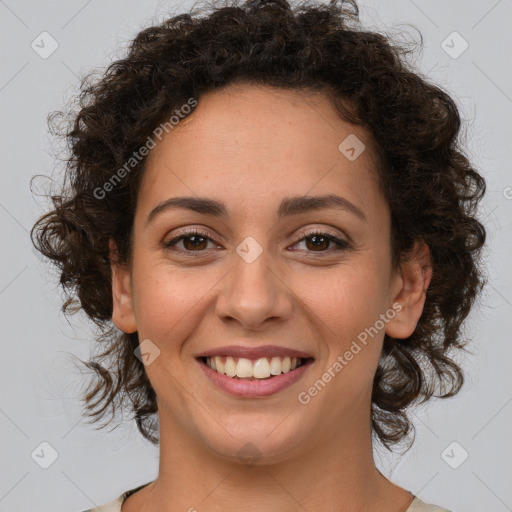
x=168, y=302
x=348, y=299
x=348, y=306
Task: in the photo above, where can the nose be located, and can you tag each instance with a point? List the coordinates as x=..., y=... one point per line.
x=254, y=294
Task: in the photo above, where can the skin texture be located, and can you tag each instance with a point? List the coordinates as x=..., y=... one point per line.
x=250, y=147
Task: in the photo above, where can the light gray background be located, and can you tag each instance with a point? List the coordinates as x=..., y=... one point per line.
x=39, y=384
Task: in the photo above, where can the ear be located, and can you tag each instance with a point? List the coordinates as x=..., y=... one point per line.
x=410, y=287
x=123, y=314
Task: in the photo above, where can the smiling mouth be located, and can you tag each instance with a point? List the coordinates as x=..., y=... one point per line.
x=263, y=368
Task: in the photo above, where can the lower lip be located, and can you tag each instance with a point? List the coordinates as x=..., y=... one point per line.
x=255, y=388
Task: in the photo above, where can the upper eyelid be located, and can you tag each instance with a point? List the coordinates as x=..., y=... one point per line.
x=301, y=232
x=324, y=231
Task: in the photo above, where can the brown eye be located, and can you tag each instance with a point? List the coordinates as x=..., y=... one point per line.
x=193, y=241
x=319, y=242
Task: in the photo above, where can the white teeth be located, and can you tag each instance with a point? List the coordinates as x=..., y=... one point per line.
x=261, y=369
x=219, y=365
x=275, y=366
x=229, y=367
x=246, y=369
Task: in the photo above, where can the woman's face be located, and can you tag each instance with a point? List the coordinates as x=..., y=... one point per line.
x=256, y=276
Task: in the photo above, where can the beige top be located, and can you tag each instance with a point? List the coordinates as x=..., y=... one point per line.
x=115, y=505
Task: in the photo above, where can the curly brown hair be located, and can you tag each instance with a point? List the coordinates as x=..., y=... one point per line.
x=431, y=188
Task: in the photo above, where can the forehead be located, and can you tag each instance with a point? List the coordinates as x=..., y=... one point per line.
x=258, y=141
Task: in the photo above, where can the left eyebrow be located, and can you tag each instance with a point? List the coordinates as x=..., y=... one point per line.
x=288, y=207
x=301, y=204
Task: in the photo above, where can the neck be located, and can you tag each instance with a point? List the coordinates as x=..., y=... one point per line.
x=336, y=473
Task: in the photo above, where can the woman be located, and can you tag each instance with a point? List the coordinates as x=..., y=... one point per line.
x=270, y=218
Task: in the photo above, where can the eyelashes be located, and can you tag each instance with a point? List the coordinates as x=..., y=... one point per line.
x=196, y=241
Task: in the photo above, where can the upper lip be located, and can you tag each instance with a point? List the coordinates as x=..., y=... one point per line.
x=254, y=352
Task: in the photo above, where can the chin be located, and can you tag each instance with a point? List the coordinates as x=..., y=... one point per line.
x=257, y=444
